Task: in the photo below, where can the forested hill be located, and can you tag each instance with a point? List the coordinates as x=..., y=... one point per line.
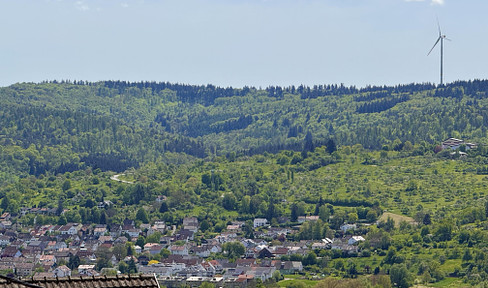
x=113, y=125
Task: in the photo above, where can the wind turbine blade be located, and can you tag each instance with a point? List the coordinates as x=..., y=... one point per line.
x=438, y=39
x=447, y=39
x=439, y=26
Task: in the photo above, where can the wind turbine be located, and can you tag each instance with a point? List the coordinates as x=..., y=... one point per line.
x=441, y=39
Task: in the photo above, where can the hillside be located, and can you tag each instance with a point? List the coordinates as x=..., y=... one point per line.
x=125, y=124
x=369, y=158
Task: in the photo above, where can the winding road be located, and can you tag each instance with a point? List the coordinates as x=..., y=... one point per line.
x=116, y=178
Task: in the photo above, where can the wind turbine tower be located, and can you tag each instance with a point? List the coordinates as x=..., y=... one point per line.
x=440, y=39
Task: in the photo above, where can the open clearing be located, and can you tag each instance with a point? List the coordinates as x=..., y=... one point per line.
x=397, y=218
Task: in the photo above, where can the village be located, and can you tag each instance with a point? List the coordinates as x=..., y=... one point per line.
x=180, y=256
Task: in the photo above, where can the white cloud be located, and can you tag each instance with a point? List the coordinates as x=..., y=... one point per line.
x=124, y=5
x=80, y=5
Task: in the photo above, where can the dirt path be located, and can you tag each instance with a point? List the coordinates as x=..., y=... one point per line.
x=116, y=178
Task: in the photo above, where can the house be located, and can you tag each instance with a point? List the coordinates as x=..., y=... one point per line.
x=265, y=253
x=99, y=231
x=280, y=251
x=24, y=269
x=453, y=144
x=259, y=222
x=178, y=250
x=11, y=251
x=289, y=267
x=346, y=227
x=153, y=248
x=190, y=223
x=159, y=269
x=355, y=239
x=70, y=229
x=62, y=271
x=5, y=216
x=204, y=251
x=4, y=240
x=115, y=230
x=6, y=224
x=185, y=235
x=133, y=232
x=263, y=273
x=319, y=246
x=344, y=246
x=47, y=259
x=159, y=226
x=82, y=269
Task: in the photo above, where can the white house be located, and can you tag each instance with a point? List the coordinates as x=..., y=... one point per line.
x=259, y=222
x=70, y=228
x=62, y=271
x=355, y=239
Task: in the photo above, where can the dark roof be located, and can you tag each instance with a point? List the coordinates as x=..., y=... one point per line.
x=148, y=281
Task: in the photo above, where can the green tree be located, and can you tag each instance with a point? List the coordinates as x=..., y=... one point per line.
x=324, y=213
x=229, y=202
x=141, y=215
x=132, y=269
x=233, y=250
x=310, y=259
x=164, y=207
x=66, y=185
x=400, y=276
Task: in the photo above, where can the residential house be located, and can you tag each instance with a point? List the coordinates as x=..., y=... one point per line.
x=191, y=224
x=185, y=235
x=159, y=269
x=62, y=271
x=178, y=250
x=134, y=232
x=24, y=269
x=70, y=228
x=204, y=251
x=82, y=269
x=159, y=226
x=346, y=227
x=453, y=143
x=259, y=222
x=51, y=259
x=289, y=267
x=11, y=251
x=138, y=249
x=100, y=231
x=263, y=273
x=153, y=248
x=5, y=240
x=115, y=230
x=355, y=239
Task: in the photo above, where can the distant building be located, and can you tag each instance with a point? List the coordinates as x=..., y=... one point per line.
x=259, y=222
x=453, y=143
x=346, y=227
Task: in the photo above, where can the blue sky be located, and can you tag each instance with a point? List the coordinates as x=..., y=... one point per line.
x=242, y=42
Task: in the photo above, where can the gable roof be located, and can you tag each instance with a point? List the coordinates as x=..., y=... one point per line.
x=147, y=281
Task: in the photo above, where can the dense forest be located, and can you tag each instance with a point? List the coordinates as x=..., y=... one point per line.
x=345, y=154
x=132, y=123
